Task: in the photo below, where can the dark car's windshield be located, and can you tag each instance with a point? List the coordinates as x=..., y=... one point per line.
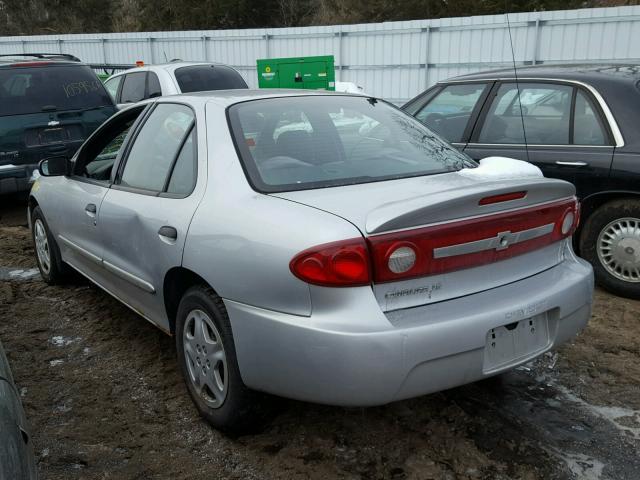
x=202, y=78
x=296, y=143
x=50, y=88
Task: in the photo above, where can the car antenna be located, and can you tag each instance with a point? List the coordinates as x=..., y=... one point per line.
x=515, y=74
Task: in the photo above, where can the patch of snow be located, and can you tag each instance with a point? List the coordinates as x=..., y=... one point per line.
x=23, y=274
x=501, y=168
x=60, y=341
x=582, y=466
x=56, y=362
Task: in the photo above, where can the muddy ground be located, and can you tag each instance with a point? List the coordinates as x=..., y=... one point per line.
x=105, y=399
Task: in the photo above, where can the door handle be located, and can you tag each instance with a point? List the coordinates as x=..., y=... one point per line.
x=572, y=164
x=168, y=232
x=91, y=209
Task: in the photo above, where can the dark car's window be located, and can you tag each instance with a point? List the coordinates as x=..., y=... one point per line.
x=183, y=176
x=133, y=87
x=156, y=146
x=112, y=86
x=449, y=111
x=298, y=143
x=154, y=89
x=201, y=78
x=588, y=128
x=50, y=88
x=545, y=112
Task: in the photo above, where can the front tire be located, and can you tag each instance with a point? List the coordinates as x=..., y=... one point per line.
x=610, y=241
x=52, y=269
x=208, y=363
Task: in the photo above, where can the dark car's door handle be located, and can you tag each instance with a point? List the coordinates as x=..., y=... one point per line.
x=168, y=232
x=572, y=164
x=91, y=209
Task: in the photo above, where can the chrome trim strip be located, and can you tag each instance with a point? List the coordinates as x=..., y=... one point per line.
x=501, y=241
x=472, y=144
x=129, y=277
x=613, y=125
x=80, y=250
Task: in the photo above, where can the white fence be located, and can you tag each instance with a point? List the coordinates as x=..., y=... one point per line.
x=394, y=60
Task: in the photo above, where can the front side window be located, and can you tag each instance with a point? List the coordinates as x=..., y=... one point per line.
x=112, y=86
x=297, y=143
x=133, y=87
x=544, y=110
x=50, y=88
x=202, y=78
x=448, y=112
x=156, y=147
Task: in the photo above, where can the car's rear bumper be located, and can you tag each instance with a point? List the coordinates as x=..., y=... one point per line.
x=16, y=178
x=422, y=349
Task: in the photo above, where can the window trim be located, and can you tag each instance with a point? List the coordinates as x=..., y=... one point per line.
x=125, y=156
x=609, y=121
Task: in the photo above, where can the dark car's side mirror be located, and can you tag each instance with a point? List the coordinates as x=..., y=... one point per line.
x=54, y=166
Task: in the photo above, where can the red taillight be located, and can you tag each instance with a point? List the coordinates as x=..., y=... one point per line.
x=473, y=242
x=337, y=264
x=503, y=197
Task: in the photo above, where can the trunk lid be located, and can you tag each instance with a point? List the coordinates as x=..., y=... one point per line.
x=429, y=205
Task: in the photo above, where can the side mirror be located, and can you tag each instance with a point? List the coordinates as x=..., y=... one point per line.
x=54, y=166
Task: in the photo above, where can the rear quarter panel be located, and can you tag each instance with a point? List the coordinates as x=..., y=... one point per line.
x=242, y=241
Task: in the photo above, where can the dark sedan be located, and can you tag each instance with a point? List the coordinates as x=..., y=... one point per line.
x=16, y=453
x=577, y=123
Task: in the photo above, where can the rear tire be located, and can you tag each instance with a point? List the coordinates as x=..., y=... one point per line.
x=52, y=269
x=208, y=363
x=610, y=241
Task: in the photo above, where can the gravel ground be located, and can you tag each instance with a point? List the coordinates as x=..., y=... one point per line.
x=103, y=393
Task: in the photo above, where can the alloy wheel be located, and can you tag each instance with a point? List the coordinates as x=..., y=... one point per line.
x=42, y=246
x=205, y=358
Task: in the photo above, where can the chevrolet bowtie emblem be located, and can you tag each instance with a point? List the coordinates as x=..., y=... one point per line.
x=501, y=241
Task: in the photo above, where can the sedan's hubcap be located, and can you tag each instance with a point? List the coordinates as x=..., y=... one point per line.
x=619, y=249
x=42, y=246
x=205, y=357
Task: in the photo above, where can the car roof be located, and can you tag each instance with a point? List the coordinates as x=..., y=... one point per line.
x=169, y=67
x=589, y=73
x=38, y=59
x=231, y=97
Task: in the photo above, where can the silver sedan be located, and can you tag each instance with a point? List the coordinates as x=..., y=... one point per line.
x=317, y=246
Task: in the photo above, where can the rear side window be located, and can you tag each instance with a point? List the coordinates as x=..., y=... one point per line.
x=133, y=87
x=587, y=126
x=50, y=88
x=112, y=86
x=156, y=147
x=545, y=112
x=183, y=176
x=202, y=78
x=154, y=89
x=449, y=111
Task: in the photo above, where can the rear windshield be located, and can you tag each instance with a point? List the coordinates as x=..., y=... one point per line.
x=50, y=88
x=202, y=78
x=297, y=143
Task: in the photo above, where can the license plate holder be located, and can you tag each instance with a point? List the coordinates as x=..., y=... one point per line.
x=512, y=343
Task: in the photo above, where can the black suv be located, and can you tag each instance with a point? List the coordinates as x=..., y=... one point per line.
x=578, y=123
x=49, y=103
